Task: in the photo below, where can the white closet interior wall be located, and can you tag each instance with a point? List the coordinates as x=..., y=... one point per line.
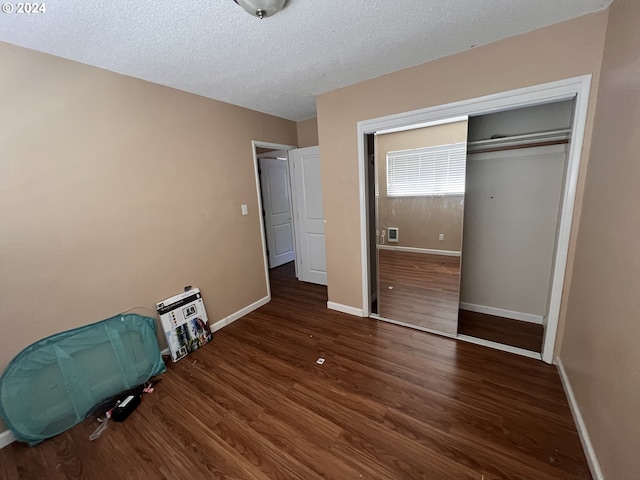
x=512, y=206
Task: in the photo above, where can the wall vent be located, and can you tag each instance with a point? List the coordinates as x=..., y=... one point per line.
x=392, y=234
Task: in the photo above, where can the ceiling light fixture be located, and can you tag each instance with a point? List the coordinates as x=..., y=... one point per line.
x=261, y=8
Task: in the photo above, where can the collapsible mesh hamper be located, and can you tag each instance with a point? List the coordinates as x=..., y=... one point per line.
x=55, y=383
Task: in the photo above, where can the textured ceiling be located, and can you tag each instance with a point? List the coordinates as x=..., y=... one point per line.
x=276, y=65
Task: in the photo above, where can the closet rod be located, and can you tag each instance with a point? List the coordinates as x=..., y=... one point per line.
x=518, y=146
x=539, y=139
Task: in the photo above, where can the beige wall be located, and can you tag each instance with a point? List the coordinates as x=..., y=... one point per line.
x=420, y=219
x=115, y=193
x=600, y=350
x=564, y=50
x=307, y=132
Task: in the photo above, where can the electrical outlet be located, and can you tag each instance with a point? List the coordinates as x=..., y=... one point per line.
x=441, y=236
x=245, y=210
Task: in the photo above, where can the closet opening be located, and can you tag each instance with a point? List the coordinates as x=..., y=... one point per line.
x=516, y=165
x=521, y=161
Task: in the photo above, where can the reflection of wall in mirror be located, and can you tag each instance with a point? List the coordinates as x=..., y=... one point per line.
x=420, y=220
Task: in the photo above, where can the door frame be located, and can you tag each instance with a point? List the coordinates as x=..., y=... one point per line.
x=577, y=88
x=274, y=146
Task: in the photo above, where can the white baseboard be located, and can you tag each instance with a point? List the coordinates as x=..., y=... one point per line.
x=430, y=251
x=358, y=312
x=589, y=452
x=6, y=438
x=500, y=312
x=231, y=318
x=165, y=352
x=239, y=314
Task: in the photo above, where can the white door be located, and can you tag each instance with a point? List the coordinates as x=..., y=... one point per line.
x=276, y=204
x=306, y=183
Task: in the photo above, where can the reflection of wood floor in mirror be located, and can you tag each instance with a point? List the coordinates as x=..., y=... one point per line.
x=501, y=330
x=419, y=289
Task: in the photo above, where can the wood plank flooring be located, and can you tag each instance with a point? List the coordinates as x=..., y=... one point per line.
x=502, y=330
x=388, y=403
x=419, y=289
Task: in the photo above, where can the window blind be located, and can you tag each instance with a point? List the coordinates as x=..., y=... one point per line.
x=438, y=170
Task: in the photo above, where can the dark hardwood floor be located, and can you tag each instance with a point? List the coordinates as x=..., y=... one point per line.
x=388, y=403
x=419, y=289
x=507, y=331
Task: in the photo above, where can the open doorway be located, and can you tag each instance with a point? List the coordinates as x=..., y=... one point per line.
x=275, y=193
x=273, y=186
x=289, y=189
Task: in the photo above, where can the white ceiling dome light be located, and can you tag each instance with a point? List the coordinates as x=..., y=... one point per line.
x=261, y=8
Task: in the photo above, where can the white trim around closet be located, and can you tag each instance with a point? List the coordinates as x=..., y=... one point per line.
x=411, y=325
x=577, y=88
x=500, y=346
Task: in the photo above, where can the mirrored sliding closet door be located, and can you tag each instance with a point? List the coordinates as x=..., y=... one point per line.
x=420, y=184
